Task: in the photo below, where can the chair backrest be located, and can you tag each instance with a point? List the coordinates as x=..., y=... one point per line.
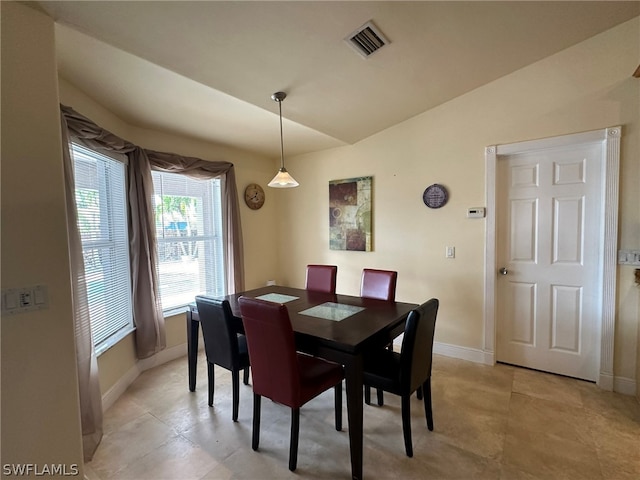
x=417, y=345
x=220, y=338
x=321, y=278
x=378, y=284
x=272, y=351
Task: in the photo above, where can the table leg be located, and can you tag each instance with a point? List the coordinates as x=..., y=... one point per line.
x=192, y=349
x=353, y=377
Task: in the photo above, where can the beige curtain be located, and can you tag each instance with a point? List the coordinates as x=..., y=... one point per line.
x=147, y=310
x=88, y=380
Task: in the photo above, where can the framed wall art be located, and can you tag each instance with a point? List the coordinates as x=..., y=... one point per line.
x=350, y=214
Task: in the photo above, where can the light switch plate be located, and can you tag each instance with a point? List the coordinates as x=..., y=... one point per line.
x=25, y=299
x=629, y=257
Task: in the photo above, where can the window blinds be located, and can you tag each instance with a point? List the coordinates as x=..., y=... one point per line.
x=102, y=222
x=189, y=237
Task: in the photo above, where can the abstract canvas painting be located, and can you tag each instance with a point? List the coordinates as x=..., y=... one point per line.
x=350, y=214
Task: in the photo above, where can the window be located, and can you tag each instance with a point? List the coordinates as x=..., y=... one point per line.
x=189, y=236
x=102, y=222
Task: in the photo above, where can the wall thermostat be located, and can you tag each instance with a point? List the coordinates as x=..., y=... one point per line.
x=475, y=212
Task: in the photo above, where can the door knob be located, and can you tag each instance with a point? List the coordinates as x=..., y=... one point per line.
x=503, y=271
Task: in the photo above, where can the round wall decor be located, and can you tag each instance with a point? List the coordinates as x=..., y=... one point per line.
x=435, y=196
x=254, y=196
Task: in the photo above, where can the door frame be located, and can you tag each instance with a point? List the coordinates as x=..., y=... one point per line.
x=609, y=139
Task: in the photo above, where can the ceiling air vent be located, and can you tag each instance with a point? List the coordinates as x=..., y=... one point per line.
x=367, y=40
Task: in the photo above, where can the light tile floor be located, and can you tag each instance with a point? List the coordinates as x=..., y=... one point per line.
x=497, y=422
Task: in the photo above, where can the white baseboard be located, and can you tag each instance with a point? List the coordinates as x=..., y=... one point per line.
x=612, y=383
x=624, y=385
x=162, y=357
x=464, y=353
x=118, y=388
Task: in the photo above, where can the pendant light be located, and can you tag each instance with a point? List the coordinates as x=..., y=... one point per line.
x=282, y=178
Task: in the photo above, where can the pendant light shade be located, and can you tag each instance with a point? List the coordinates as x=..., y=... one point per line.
x=282, y=179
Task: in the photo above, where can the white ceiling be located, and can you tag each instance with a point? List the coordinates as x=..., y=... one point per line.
x=207, y=69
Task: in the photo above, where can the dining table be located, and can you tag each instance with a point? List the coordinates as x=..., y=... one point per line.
x=339, y=328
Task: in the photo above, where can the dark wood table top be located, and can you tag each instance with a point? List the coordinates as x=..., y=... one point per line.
x=379, y=321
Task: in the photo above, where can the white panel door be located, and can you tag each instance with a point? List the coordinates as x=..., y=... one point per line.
x=549, y=239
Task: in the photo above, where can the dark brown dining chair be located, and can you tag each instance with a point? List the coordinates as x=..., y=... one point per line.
x=405, y=372
x=223, y=346
x=279, y=372
x=380, y=285
x=321, y=278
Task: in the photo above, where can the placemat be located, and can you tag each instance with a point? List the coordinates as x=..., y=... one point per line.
x=277, y=298
x=332, y=311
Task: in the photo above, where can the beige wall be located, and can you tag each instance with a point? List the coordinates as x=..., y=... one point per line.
x=40, y=416
x=586, y=87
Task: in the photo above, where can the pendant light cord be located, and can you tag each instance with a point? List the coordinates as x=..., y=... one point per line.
x=281, y=140
x=282, y=179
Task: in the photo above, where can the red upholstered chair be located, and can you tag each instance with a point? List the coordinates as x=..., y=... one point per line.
x=378, y=284
x=321, y=278
x=381, y=285
x=410, y=370
x=223, y=346
x=279, y=372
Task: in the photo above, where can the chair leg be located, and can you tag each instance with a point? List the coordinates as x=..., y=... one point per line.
x=426, y=387
x=338, y=405
x=380, y=392
x=255, y=439
x=211, y=380
x=419, y=393
x=235, y=381
x=406, y=424
x=245, y=377
x=295, y=430
x=367, y=394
